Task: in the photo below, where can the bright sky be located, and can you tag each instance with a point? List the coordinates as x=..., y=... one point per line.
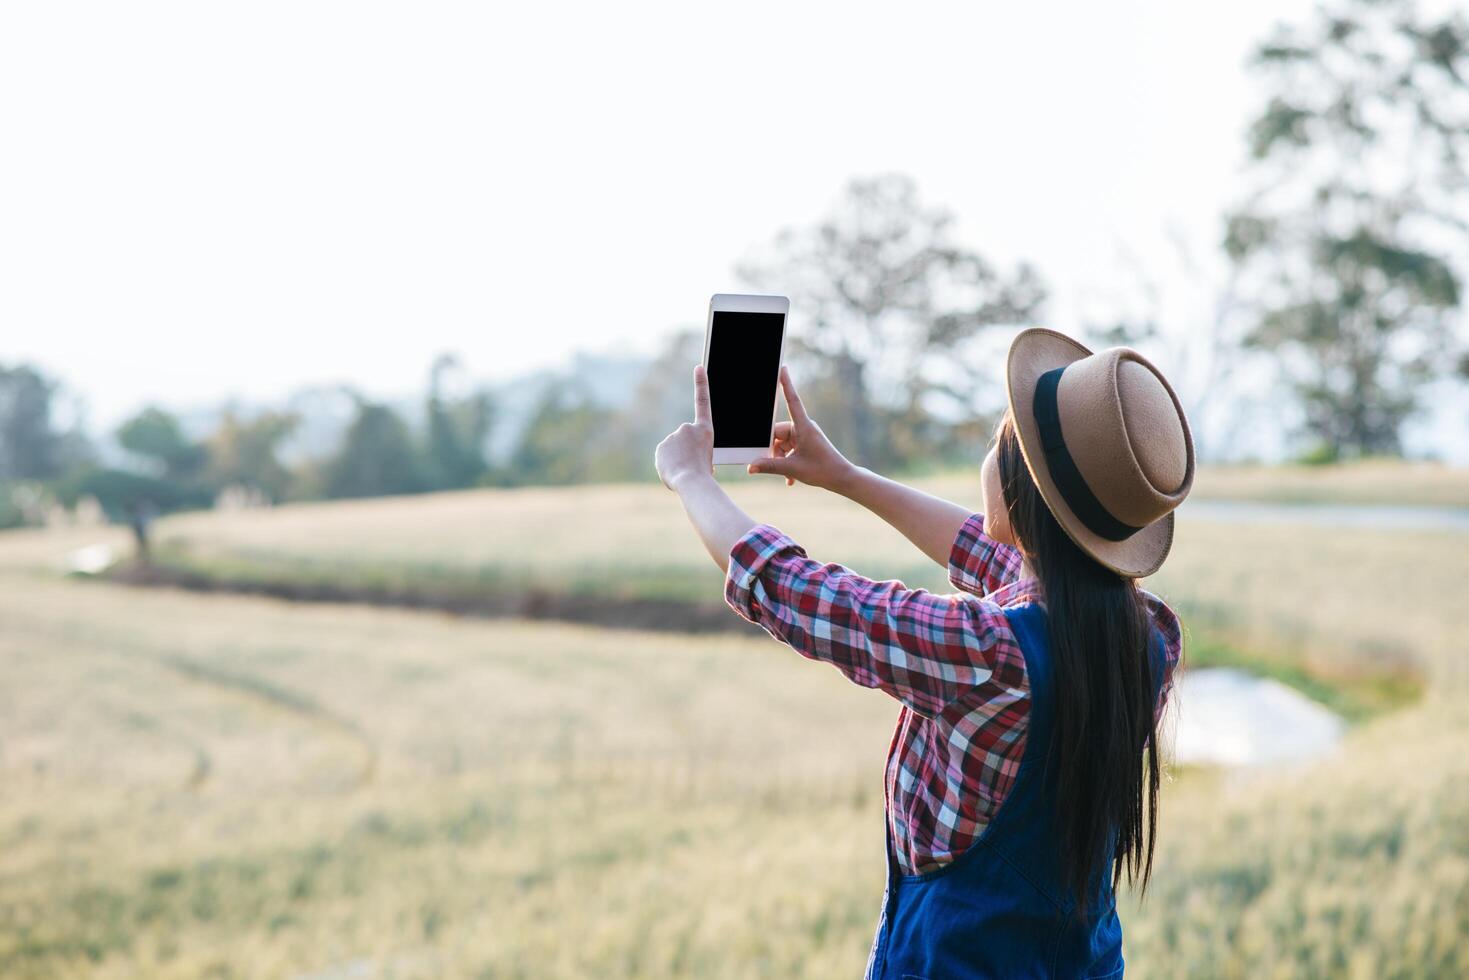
x=200, y=201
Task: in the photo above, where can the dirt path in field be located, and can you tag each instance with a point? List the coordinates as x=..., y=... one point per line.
x=593, y=610
x=279, y=698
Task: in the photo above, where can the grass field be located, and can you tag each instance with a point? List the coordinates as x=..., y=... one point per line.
x=235, y=787
x=580, y=539
x=218, y=785
x=1373, y=481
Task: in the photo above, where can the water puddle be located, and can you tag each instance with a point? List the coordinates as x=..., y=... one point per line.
x=1225, y=717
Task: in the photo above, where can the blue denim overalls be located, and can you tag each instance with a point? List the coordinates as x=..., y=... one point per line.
x=1001, y=908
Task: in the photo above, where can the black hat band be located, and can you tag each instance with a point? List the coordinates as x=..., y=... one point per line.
x=1068, y=479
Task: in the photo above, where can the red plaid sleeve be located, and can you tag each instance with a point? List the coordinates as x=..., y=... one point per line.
x=978, y=564
x=929, y=651
x=1171, y=629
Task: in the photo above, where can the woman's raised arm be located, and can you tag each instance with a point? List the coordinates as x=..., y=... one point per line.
x=931, y=523
x=801, y=451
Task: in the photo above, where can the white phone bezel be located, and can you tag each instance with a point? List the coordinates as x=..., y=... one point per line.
x=742, y=303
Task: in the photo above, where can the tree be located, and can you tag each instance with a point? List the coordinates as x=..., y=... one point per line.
x=246, y=452
x=888, y=300
x=457, y=429
x=136, y=499
x=156, y=435
x=563, y=440
x=174, y=480
x=1346, y=244
x=30, y=446
x=377, y=456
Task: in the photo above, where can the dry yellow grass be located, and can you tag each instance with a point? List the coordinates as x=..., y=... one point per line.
x=1381, y=481
x=589, y=533
x=215, y=785
x=229, y=786
x=581, y=533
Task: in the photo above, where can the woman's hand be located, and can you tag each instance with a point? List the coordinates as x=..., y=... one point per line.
x=800, y=450
x=689, y=449
x=685, y=464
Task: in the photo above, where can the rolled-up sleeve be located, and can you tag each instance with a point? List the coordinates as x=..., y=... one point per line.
x=1169, y=629
x=924, y=649
x=978, y=564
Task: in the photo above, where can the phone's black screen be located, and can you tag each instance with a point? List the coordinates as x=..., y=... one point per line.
x=744, y=366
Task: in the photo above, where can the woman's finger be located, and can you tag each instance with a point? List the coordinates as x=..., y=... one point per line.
x=785, y=430
x=793, y=400
x=702, y=413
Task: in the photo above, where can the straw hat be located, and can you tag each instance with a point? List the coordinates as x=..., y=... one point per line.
x=1106, y=442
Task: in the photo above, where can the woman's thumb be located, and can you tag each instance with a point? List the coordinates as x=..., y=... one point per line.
x=780, y=465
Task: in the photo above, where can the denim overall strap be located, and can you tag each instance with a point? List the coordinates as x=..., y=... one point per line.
x=1001, y=909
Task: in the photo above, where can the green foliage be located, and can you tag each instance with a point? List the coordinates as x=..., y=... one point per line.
x=377, y=457
x=127, y=496
x=157, y=436
x=1353, y=258
x=31, y=447
x=246, y=453
x=11, y=515
x=176, y=480
x=563, y=439
x=1245, y=234
x=1359, y=157
x=457, y=430
x=1280, y=122
x=1321, y=454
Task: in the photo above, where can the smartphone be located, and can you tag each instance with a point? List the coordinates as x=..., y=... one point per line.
x=742, y=354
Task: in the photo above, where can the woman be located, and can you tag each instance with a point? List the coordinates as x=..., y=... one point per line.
x=1022, y=782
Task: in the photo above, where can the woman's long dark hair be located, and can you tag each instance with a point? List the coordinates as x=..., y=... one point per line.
x=1104, y=748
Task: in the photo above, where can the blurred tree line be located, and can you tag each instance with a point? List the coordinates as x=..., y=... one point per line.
x=154, y=464
x=157, y=466
x=1346, y=255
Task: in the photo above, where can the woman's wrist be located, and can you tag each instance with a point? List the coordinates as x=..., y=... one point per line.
x=690, y=479
x=849, y=481
x=718, y=520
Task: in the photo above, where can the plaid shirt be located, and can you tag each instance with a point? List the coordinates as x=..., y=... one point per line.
x=951, y=660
